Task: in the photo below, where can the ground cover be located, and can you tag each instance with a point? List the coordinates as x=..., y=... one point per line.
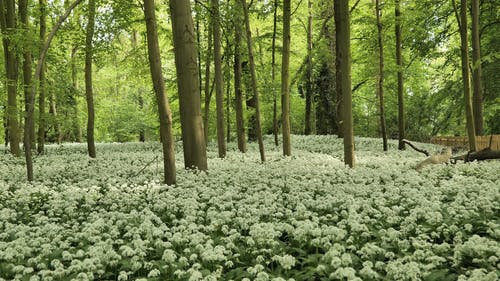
x=304, y=217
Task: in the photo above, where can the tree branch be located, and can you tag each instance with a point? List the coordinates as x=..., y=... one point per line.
x=416, y=148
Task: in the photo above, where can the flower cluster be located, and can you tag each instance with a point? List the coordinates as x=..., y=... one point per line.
x=305, y=217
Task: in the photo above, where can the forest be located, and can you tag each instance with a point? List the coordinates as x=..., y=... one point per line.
x=249, y=140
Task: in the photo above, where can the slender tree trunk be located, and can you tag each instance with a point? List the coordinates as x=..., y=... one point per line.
x=42, y=89
x=219, y=85
x=208, y=93
x=285, y=79
x=159, y=87
x=198, y=44
x=338, y=84
x=471, y=132
x=273, y=74
x=140, y=98
x=227, y=75
x=254, y=81
x=477, y=70
x=74, y=92
x=88, y=78
x=8, y=25
x=380, y=84
x=399, y=63
x=309, y=90
x=342, y=28
x=29, y=132
x=38, y=71
x=195, y=155
x=238, y=92
x=53, y=112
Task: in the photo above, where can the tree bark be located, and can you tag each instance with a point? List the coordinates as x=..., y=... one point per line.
x=399, y=63
x=254, y=81
x=77, y=130
x=219, y=83
x=29, y=132
x=309, y=90
x=285, y=78
x=380, y=82
x=238, y=92
x=342, y=28
x=88, y=78
x=207, y=90
x=159, y=88
x=273, y=75
x=42, y=89
x=186, y=54
x=471, y=132
x=477, y=70
x=8, y=25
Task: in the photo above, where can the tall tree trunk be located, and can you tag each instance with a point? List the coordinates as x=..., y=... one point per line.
x=193, y=140
x=159, y=87
x=399, y=63
x=380, y=82
x=53, y=112
x=338, y=83
x=42, y=89
x=238, y=92
x=255, y=89
x=8, y=25
x=273, y=74
x=219, y=85
x=477, y=70
x=342, y=28
x=29, y=132
x=309, y=89
x=38, y=71
x=198, y=44
x=285, y=79
x=207, y=90
x=227, y=75
x=140, y=98
x=74, y=92
x=471, y=132
x=88, y=78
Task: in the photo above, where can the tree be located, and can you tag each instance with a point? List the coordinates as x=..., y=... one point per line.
x=88, y=78
x=29, y=132
x=207, y=90
x=219, y=85
x=464, y=50
x=285, y=77
x=399, y=63
x=273, y=73
x=342, y=29
x=238, y=92
x=186, y=54
x=36, y=79
x=8, y=26
x=159, y=88
x=255, y=90
x=380, y=82
x=477, y=70
x=42, y=92
x=309, y=87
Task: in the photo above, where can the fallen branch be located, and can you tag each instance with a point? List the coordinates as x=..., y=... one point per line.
x=416, y=148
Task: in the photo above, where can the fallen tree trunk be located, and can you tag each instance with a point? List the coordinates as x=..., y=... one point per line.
x=484, y=154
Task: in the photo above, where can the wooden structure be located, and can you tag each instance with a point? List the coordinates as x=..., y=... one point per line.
x=482, y=141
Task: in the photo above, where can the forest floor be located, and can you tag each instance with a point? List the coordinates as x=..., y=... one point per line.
x=305, y=217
